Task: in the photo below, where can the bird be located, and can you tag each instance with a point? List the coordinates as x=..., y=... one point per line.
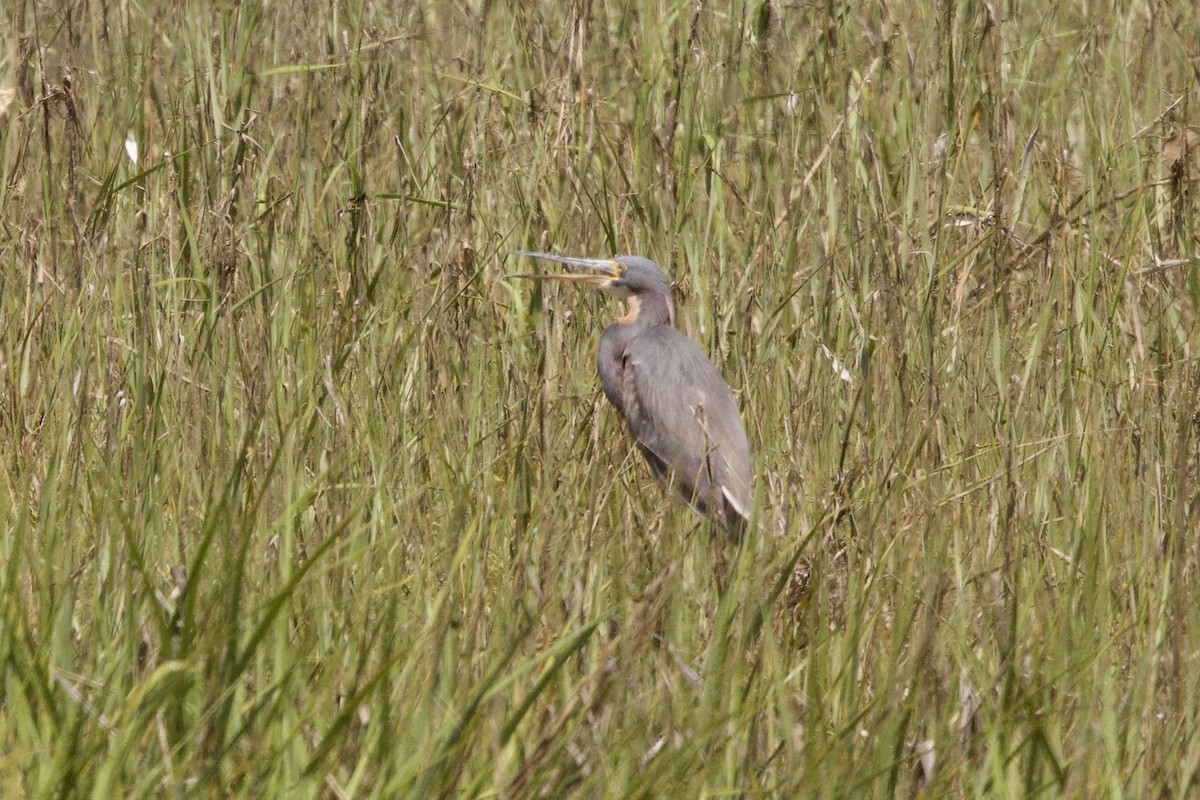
x=678, y=409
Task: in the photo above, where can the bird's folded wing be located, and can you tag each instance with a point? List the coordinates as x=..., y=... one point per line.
x=680, y=408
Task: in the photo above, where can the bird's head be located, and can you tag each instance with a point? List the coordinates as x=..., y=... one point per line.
x=634, y=279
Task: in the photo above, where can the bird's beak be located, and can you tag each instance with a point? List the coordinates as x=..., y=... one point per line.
x=609, y=270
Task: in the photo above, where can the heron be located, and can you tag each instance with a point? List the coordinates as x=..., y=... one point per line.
x=679, y=410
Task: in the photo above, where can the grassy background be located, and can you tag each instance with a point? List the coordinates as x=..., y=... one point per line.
x=302, y=498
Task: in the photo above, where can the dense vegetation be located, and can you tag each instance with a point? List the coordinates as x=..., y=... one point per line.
x=302, y=498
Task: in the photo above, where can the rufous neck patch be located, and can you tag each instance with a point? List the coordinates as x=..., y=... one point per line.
x=632, y=306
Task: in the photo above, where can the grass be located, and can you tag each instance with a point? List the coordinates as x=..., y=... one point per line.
x=302, y=498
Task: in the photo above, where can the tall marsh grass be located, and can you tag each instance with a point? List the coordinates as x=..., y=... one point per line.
x=302, y=498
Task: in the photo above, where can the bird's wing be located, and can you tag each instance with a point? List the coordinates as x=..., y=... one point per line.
x=682, y=414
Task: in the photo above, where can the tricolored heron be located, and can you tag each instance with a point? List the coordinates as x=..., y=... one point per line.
x=678, y=408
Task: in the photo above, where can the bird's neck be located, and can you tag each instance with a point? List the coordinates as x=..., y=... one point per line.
x=647, y=310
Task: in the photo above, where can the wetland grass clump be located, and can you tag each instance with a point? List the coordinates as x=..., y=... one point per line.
x=303, y=499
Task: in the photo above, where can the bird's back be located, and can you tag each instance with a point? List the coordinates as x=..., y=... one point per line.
x=683, y=416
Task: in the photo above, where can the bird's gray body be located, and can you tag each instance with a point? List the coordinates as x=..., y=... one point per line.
x=678, y=408
x=681, y=414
